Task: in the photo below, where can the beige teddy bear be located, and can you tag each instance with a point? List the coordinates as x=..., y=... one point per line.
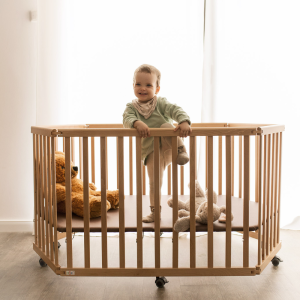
x=201, y=207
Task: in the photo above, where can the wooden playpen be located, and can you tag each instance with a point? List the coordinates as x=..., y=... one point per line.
x=258, y=219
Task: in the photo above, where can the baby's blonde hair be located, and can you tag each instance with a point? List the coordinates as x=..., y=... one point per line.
x=148, y=69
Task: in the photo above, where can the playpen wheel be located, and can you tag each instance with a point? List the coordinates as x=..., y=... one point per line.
x=42, y=263
x=161, y=281
x=58, y=245
x=276, y=260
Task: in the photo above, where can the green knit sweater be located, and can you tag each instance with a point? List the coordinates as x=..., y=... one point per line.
x=165, y=112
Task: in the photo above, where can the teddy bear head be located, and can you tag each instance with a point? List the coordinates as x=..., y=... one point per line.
x=61, y=167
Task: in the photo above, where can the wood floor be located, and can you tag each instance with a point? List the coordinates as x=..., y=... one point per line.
x=21, y=276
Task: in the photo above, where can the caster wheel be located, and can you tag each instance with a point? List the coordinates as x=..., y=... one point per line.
x=276, y=260
x=42, y=263
x=58, y=245
x=161, y=281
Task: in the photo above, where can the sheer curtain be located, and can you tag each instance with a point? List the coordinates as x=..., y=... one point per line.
x=89, y=50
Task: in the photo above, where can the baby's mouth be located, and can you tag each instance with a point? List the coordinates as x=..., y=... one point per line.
x=143, y=94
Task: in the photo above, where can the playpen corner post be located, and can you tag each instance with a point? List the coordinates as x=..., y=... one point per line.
x=259, y=189
x=35, y=188
x=279, y=186
x=42, y=194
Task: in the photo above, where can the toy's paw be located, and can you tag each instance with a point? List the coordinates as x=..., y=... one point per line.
x=170, y=202
x=92, y=187
x=183, y=213
x=182, y=224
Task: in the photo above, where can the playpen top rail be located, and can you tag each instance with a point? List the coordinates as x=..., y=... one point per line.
x=116, y=130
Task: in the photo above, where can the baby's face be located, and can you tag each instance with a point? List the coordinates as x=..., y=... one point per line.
x=145, y=86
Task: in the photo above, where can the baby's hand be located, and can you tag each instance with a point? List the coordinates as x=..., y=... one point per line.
x=185, y=129
x=142, y=129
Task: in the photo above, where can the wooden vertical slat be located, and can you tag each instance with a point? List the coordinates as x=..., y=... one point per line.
x=38, y=182
x=144, y=180
x=50, y=197
x=272, y=194
x=279, y=187
x=64, y=145
x=121, y=202
x=42, y=194
x=246, y=201
x=268, y=194
x=175, y=200
x=192, y=203
x=256, y=168
x=80, y=158
x=275, y=192
x=139, y=203
x=103, y=203
x=56, y=143
x=73, y=149
x=68, y=203
x=106, y=157
x=182, y=180
x=210, y=250
x=169, y=179
x=232, y=166
x=35, y=188
x=54, y=198
x=46, y=195
x=259, y=179
x=240, y=166
x=86, y=204
x=157, y=201
x=117, y=153
x=196, y=166
x=220, y=165
x=228, y=202
x=130, y=166
x=206, y=163
x=93, y=159
x=264, y=239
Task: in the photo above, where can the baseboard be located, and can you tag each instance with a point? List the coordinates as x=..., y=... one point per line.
x=16, y=226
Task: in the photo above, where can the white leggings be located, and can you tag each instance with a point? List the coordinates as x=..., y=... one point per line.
x=165, y=158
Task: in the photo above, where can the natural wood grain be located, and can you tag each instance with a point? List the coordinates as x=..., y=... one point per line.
x=157, y=201
x=220, y=166
x=42, y=208
x=103, y=202
x=210, y=249
x=175, y=200
x=130, y=167
x=86, y=204
x=192, y=203
x=228, y=201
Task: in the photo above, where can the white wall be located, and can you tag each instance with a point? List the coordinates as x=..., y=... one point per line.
x=18, y=108
x=256, y=76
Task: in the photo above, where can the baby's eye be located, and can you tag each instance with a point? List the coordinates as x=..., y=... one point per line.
x=149, y=85
x=137, y=84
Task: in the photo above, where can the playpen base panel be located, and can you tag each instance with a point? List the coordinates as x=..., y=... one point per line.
x=166, y=217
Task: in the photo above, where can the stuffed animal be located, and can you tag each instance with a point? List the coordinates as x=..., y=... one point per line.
x=201, y=208
x=112, y=201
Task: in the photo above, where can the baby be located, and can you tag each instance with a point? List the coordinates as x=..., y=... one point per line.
x=149, y=111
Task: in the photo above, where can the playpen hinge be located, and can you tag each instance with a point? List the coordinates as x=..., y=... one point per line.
x=55, y=132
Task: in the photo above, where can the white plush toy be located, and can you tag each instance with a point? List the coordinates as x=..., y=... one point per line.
x=201, y=208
